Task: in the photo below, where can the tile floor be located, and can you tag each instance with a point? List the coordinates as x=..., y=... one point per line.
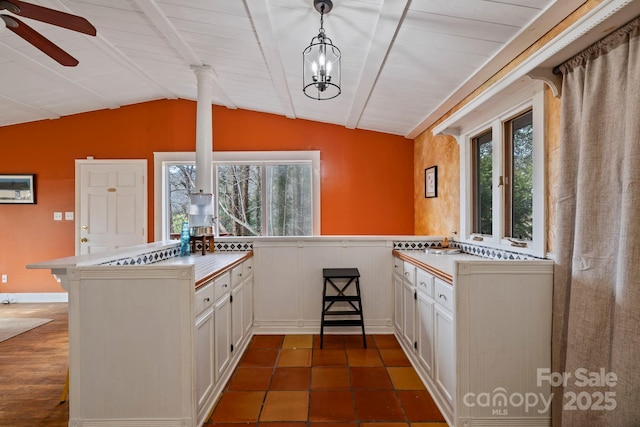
x=289, y=379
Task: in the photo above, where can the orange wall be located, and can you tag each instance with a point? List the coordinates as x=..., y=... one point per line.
x=367, y=177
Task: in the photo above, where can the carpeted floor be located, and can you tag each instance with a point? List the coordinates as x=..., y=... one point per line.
x=12, y=326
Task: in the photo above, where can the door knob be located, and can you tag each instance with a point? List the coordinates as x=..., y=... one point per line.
x=84, y=240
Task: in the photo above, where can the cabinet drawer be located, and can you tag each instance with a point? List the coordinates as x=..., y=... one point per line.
x=203, y=298
x=444, y=294
x=424, y=282
x=247, y=268
x=222, y=284
x=236, y=275
x=409, y=273
x=397, y=266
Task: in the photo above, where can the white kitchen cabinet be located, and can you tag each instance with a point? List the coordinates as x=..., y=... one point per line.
x=205, y=371
x=247, y=312
x=237, y=315
x=409, y=312
x=424, y=334
x=222, y=314
x=444, y=350
x=204, y=343
x=482, y=327
x=398, y=304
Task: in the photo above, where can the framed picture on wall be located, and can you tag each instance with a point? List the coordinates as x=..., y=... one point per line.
x=431, y=182
x=17, y=189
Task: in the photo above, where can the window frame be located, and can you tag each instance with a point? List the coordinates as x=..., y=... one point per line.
x=163, y=159
x=494, y=120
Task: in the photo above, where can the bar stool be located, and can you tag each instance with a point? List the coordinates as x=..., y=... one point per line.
x=350, y=312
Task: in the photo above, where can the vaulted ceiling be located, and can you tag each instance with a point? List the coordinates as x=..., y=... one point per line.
x=404, y=62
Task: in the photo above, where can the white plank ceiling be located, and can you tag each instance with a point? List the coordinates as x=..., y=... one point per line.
x=404, y=62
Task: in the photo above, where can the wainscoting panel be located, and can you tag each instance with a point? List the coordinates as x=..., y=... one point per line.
x=288, y=283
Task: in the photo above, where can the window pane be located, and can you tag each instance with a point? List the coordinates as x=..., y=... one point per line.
x=239, y=200
x=289, y=204
x=483, y=170
x=181, y=182
x=522, y=177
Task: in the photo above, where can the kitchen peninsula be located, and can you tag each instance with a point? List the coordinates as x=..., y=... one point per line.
x=135, y=357
x=154, y=337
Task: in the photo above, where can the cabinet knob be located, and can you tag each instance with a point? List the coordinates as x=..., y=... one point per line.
x=207, y=299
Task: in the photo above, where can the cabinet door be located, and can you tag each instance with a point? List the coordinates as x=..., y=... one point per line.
x=445, y=352
x=398, y=312
x=247, y=311
x=205, y=371
x=425, y=332
x=237, y=315
x=409, y=315
x=222, y=315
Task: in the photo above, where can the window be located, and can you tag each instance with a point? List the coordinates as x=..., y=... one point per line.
x=518, y=177
x=255, y=193
x=482, y=147
x=267, y=199
x=502, y=175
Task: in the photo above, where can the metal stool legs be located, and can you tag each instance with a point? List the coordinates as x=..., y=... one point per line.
x=350, y=312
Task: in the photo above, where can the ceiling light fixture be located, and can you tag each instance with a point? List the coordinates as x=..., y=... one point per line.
x=321, y=61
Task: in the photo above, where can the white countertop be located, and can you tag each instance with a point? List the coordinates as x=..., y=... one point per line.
x=102, y=257
x=441, y=262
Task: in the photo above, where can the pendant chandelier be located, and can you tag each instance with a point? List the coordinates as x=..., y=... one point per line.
x=321, y=61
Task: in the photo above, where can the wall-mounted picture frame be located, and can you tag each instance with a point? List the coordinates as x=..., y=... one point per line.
x=431, y=182
x=18, y=189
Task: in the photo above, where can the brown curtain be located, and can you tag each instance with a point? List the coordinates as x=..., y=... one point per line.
x=596, y=326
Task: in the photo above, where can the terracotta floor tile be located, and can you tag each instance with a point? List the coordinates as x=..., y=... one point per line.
x=293, y=378
x=278, y=424
x=329, y=357
x=285, y=406
x=378, y=405
x=238, y=407
x=388, y=424
x=294, y=357
x=259, y=357
x=331, y=406
x=370, y=378
x=333, y=424
x=330, y=341
x=355, y=341
x=394, y=357
x=442, y=424
x=266, y=341
x=405, y=378
x=298, y=341
x=329, y=377
x=288, y=381
x=363, y=357
x=419, y=406
x=386, y=341
x=212, y=424
x=249, y=379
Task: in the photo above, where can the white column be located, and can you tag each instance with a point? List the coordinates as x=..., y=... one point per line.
x=204, y=129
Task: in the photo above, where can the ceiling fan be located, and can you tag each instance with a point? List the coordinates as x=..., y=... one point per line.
x=50, y=16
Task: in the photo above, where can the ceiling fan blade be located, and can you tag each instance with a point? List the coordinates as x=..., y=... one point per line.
x=50, y=16
x=39, y=41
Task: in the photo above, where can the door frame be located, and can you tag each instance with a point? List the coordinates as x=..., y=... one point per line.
x=88, y=161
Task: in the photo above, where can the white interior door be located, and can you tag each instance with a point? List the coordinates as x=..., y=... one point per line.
x=111, y=204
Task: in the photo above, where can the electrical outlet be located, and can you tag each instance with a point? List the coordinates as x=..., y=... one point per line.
x=4, y=278
x=57, y=216
x=68, y=216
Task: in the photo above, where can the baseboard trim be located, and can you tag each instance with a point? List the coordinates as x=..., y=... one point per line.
x=24, y=297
